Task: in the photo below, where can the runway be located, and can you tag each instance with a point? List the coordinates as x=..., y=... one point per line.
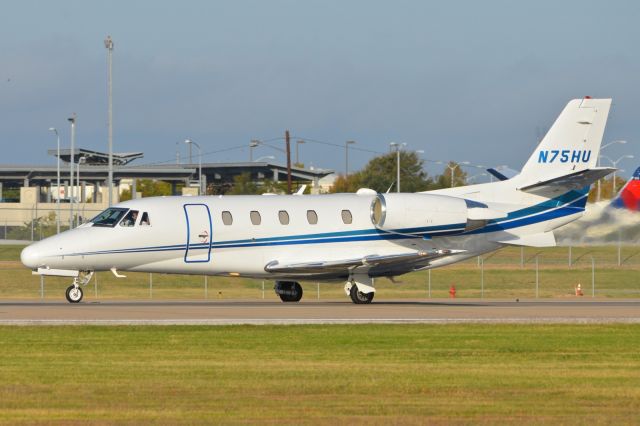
x=229, y=312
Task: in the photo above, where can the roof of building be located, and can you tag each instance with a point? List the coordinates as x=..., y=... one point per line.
x=214, y=172
x=95, y=157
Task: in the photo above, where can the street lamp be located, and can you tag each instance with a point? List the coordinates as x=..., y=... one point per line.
x=621, y=142
x=615, y=163
x=190, y=142
x=72, y=189
x=298, y=142
x=54, y=130
x=254, y=143
x=455, y=167
x=80, y=161
x=397, y=146
x=108, y=44
x=346, y=157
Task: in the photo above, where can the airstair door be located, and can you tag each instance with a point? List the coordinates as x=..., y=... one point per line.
x=199, y=229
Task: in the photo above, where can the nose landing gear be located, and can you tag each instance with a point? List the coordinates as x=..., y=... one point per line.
x=74, y=292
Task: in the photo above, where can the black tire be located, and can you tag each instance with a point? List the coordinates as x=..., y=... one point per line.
x=360, y=298
x=296, y=289
x=74, y=297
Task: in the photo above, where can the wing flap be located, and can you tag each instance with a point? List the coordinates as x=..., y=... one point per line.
x=319, y=267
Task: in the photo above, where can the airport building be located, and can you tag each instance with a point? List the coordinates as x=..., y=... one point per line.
x=28, y=192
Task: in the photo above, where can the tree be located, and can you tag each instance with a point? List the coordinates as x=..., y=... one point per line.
x=148, y=188
x=380, y=175
x=349, y=183
x=459, y=176
x=243, y=185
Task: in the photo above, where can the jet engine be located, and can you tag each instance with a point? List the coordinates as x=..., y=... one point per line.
x=429, y=214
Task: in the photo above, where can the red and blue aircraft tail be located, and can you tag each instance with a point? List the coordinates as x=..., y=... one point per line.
x=629, y=196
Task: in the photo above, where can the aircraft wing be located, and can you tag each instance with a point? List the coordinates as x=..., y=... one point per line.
x=392, y=261
x=568, y=182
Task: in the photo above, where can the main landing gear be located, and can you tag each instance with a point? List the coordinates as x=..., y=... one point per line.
x=357, y=296
x=74, y=292
x=289, y=291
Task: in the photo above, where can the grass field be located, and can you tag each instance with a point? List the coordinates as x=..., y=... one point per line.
x=358, y=374
x=502, y=276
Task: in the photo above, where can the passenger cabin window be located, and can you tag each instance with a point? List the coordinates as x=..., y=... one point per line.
x=227, y=219
x=109, y=217
x=145, y=219
x=255, y=217
x=283, y=216
x=312, y=217
x=346, y=217
x=130, y=219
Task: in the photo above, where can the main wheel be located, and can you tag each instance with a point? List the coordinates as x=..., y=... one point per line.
x=358, y=297
x=74, y=294
x=291, y=294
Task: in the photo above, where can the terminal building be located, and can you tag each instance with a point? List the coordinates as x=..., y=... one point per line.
x=29, y=192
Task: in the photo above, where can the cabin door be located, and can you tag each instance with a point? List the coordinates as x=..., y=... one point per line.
x=199, y=229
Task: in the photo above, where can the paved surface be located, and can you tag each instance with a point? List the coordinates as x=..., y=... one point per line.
x=320, y=312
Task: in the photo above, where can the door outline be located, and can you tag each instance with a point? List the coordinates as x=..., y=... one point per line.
x=186, y=252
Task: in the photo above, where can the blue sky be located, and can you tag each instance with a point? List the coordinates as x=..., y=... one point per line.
x=465, y=81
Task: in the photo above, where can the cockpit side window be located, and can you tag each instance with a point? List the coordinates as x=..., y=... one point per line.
x=130, y=219
x=145, y=220
x=109, y=217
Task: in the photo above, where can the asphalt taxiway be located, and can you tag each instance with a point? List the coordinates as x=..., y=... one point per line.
x=223, y=312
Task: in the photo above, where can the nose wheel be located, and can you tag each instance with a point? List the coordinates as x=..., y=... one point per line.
x=74, y=294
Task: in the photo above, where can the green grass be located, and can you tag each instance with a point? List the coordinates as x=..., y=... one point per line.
x=321, y=374
x=504, y=277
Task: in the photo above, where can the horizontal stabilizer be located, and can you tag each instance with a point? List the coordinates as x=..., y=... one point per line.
x=502, y=173
x=320, y=267
x=543, y=239
x=563, y=184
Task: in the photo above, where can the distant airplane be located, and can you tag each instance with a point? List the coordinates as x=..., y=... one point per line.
x=340, y=237
x=629, y=196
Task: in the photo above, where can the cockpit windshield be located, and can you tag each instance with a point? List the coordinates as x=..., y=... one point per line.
x=109, y=217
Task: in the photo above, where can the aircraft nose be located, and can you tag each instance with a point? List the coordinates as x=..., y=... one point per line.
x=30, y=257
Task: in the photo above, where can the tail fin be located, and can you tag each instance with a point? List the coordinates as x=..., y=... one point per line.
x=572, y=145
x=629, y=196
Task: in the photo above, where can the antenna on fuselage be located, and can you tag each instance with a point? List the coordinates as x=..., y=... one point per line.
x=391, y=186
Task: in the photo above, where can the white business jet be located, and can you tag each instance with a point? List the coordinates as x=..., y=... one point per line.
x=340, y=237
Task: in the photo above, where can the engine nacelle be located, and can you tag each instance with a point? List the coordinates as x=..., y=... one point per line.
x=425, y=214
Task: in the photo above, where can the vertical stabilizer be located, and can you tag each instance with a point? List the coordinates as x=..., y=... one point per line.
x=572, y=144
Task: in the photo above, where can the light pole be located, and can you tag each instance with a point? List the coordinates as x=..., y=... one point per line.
x=346, y=157
x=621, y=142
x=397, y=147
x=54, y=130
x=72, y=188
x=615, y=164
x=190, y=142
x=80, y=161
x=108, y=43
x=455, y=167
x=298, y=142
x=254, y=143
